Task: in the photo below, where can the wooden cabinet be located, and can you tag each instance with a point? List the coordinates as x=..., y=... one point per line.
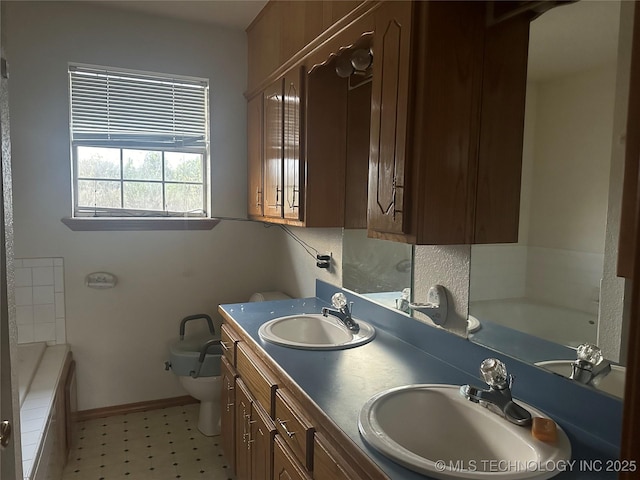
x=229, y=341
x=275, y=170
x=228, y=411
x=264, y=39
x=255, y=157
x=269, y=431
x=254, y=437
x=447, y=120
x=271, y=129
x=328, y=464
x=293, y=146
x=389, y=108
x=285, y=466
x=304, y=125
x=295, y=428
x=284, y=28
x=261, y=444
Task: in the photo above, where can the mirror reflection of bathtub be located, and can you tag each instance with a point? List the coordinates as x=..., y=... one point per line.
x=554, y=323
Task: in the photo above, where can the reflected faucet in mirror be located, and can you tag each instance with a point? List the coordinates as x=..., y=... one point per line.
x=590, y=367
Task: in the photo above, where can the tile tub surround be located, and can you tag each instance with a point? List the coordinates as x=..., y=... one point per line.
x=406, y=351
x=159, y=444
x=40, y=311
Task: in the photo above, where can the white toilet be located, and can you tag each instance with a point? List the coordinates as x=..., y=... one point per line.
x=207, y=390
x=196, y=362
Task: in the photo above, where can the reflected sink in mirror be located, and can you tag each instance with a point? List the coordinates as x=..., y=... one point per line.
x=612, y=383
x=433, y=430
x=314, y=332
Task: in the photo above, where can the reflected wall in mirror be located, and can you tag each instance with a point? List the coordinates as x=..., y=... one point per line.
x=377, y=269
x=548, y=285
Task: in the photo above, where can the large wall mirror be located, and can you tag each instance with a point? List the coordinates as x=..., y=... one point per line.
x=556, y=285
x=377, y=269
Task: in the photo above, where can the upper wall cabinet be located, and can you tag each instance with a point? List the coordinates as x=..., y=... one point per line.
x=444, y=117
x=447, y=118
x=283, y=29
x=297, y=150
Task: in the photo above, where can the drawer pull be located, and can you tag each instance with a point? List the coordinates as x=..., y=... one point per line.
x=229, y=405
x=283, y=424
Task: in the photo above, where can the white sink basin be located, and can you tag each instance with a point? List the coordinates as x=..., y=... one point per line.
x=314, y=332
x=433, y=430
x=612, y=384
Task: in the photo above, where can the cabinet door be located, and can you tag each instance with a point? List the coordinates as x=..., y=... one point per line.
x=227, y=406
x=389, y=104
x=293, y=146
x=272, y=143
x=261, y=444
x=243, y=431
x=328, y=464
x=254, y=156
x=285, y=467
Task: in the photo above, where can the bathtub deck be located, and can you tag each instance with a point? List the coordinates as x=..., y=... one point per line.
x=29, y=356
x=36, y=408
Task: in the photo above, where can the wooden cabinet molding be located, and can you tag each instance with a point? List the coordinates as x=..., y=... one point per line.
x=264, y=34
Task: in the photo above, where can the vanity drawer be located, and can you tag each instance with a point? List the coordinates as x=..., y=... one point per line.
x=256, y=375
x=228, y=341
x=294, y=427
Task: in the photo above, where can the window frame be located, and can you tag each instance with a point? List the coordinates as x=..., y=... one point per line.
x=107, y=214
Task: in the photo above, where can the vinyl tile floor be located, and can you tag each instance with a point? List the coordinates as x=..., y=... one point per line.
x=162, y=444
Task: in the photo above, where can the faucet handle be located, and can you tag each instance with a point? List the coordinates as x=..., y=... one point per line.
x=339, y=300
x=590, y=353
x=494, y=372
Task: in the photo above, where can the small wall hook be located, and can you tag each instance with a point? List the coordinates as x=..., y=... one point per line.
x=436, y=307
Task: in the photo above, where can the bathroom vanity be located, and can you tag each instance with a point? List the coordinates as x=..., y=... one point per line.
x=295, y=412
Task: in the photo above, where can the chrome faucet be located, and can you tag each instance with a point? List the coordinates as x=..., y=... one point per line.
x=498, y=397
x=590, y=367
x=342, y=312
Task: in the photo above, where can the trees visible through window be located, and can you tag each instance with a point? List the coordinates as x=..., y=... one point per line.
x=139, y=143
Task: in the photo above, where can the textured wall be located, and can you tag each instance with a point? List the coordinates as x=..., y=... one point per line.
x=447, y=266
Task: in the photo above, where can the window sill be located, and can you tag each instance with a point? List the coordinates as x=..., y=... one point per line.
x=118, y=224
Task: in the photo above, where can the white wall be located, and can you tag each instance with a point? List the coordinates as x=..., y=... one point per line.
x=297, y=271
x=564, y=200
x=574, y=122
x=120, y=337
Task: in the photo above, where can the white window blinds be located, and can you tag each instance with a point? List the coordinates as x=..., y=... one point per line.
x=124, y=108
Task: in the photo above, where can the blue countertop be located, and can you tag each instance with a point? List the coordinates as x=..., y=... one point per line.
x=406, y=351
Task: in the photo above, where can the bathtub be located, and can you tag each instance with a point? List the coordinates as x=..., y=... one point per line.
x=40, y=371
x=557, y=324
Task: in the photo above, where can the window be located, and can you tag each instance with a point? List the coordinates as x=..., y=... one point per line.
x=139, y=143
